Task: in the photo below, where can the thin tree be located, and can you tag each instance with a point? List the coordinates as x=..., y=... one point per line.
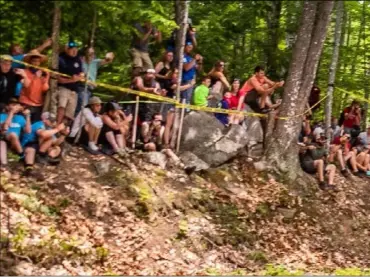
x=51, y=99
x=282, y=150
x=333, y=69
x=182, y=12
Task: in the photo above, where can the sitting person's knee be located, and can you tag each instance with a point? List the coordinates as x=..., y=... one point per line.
x=150, y=147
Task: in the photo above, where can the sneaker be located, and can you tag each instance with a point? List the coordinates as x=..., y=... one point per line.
x=323, y=186
x=122, y=153
x=42, y=160
x=333, y=188
x=93, y=146
x=368, y=173
x=344, y=172
x=91, y=151
x=357, y=173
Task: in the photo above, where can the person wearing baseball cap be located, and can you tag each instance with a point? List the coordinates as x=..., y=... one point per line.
x=8, y=81
x=89, y=124
x=114, y=130
x=71, y=65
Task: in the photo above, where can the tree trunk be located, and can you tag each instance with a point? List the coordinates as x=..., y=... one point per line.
x=182, y=11
x=273, y=24
x=282, y=151
x=93, y=29
x=358, y=43
x=333, y=68
x=366, y=78
x=51, y=98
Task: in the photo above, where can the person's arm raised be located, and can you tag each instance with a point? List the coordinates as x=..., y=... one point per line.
x=109, y=57
x=47, y=43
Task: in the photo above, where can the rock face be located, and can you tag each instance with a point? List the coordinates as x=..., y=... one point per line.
x=189, y=159
x=205, y=137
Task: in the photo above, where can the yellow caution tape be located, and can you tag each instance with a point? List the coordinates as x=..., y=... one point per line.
x=165, y=99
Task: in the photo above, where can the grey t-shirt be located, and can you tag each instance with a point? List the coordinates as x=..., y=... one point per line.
x=137, y=42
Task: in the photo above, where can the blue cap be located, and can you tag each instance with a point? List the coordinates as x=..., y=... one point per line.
x=189, y=43
x=72, y=44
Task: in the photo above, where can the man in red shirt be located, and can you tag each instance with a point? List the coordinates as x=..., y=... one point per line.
x=352, y=116
x=254, y=94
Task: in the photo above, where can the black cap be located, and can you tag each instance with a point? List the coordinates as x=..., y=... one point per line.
x=112, y=106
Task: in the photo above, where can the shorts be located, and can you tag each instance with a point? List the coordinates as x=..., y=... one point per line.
x=67, y=99
x=35, y=113
x=309, y=167
x=102, y=137
x=251, y=99
x=141, y=59
x=166, y=109
x=33, y=145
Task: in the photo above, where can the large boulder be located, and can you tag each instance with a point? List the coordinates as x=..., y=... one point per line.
x=204, y=136
x=254, y=128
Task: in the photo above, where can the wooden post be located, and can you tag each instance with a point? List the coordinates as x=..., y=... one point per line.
x=180, y=127
x=134, y=130
x=182, y=10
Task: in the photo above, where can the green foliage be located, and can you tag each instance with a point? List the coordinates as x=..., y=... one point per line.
x=280, y=270
x=353, y=271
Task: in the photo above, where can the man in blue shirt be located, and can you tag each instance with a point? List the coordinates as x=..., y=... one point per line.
x=40, y=141
x=18, y=54
x=12, y=123
x=69, y=64
x=190, y=67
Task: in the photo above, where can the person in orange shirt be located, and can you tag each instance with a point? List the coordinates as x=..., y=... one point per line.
x=35, y=84
x=254, y=94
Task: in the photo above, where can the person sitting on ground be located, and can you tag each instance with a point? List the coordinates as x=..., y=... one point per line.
x=365, y=137
x=140, y=46
x=13, y=121
x=363, y=160
x=41, y=142
x=35, y=84
x=18, y=54
x=253, y=89
x=318, y=128
x=190, y=67
x=341, y=150
x=8, y=81
x=351, y=117
x=334, y=128
x=219, y=83
x=114, y=131
x=201, y=93
x=313, y=160
x=154, y=137
x=87, y=126
x=70, y=64
x=90, y=65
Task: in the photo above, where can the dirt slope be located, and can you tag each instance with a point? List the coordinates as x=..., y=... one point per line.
x=229, y=220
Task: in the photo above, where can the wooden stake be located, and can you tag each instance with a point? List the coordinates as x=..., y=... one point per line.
x=180, y=127
x=135, y=122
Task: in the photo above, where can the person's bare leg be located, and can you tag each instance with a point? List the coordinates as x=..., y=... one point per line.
x=3, y=153
x=340, y=159
x=361, y=162
x=60, y=115
x=331, y=169
x=168, y=128
x=96, y=135
x=150, y=147
x=144, y=129
x=319, y=165
x=351, y=157
x=45, y=145
x=29, y=156
x=15, y=143
x=112, y=141
x=121, y=141
x=54, y=151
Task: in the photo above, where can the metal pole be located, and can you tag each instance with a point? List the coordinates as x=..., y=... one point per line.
x=180, y=127
x=135, y=122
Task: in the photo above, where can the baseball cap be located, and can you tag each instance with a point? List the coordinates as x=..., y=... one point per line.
x=112, y=106
x=13, y=101
x=189, y=43
x=72, y=44
x=6, y=58
x=94, y=100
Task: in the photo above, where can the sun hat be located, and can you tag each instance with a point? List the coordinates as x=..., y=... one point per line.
x=150, y=70
x=94, y=100
x=6, y=58
x=35, y=53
